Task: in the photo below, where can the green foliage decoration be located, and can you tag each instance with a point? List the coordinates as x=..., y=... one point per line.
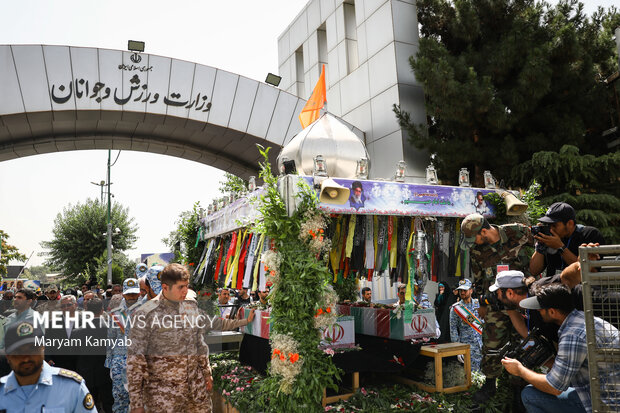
x=184, y=240
x=232, y=184
x=302, y=282
x=535, y=207
x=346, y=288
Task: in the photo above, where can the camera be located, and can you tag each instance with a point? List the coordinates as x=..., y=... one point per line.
x=491, y=300
x=533, y=351
x=541, y=229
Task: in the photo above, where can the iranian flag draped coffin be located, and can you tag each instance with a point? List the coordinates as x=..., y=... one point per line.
x=405, y=323
x=341, y=334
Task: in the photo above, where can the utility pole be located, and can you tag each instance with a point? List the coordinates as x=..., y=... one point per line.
x=109, y=223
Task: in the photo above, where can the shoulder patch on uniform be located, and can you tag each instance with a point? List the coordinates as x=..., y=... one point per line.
x=88, y=402
x=70, y=374
x=149, y=306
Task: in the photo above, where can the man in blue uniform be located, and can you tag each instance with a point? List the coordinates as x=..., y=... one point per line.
x=35, y=386
x=465, y=323
x=116, y=355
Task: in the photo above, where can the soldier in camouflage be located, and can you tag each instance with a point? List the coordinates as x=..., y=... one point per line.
x=116, y=352
x=168, y=359
x=493, y=249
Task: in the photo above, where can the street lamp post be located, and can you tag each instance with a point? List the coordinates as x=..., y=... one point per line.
x=101, y=185
x=109, y=223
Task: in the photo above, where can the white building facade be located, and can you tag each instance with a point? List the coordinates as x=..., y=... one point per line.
x=365, y=46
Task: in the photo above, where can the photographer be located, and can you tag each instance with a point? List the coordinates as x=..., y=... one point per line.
x=510, y=289
x=566, y=387
x=558, y=239
x=493, y=249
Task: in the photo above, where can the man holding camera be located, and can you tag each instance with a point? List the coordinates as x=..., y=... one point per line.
x=493, y=249
x=558, y=239
x=566, y=387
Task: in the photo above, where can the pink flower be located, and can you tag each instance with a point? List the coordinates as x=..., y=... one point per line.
x=363, y=391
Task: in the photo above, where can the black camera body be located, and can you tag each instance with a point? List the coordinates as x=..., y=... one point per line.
x=533, y=351
x=492, y=301
x=541, y=229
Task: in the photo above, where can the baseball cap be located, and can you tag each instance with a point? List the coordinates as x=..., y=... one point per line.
x=554, y=295
x=470, y=227
x=141, y=269
x=20, y=334
x=464, y=285
x=153, y=277
x=130, y=286
x=508, y=279
x=51, y=288
x=558, y=212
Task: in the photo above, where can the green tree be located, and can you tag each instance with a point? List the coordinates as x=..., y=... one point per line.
x=504, y=79
x=8, y=253
x=36, y=272
x=587, y=182
x=122, y=267
x=232, y=184
x=79, y=236
x=184, y=240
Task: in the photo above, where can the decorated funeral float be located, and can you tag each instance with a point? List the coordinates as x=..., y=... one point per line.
x=313, y=235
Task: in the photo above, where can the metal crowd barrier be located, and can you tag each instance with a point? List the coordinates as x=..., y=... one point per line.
x=600, y=274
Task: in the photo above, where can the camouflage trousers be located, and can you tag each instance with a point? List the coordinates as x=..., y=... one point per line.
x=497, y=331
x=176, y=403
x=118, y=369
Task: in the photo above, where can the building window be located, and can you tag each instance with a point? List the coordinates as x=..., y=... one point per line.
x=350, y=36
x=299, y=72
x=321, y=36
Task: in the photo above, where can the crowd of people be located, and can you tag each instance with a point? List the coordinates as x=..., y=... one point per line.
x=498, y=307
x=150, y=354
x=113, y=363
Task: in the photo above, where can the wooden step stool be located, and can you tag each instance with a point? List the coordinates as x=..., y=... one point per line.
x=438, y=352
x=355, y=384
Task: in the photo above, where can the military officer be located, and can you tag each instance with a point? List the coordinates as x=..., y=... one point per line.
x=116, y=354
x=465, y=323
x=168, y=363
x=35, y=386
x=494, y=249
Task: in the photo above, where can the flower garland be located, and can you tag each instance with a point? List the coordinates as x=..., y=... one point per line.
x=272, y=261
x=285, y=360
x=326, y=313
x=312, y=232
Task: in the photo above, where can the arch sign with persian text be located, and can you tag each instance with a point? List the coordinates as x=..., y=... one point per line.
x=62, y=98
x=82, y=78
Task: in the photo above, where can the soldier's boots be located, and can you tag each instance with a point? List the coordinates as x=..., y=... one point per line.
x=486, y=391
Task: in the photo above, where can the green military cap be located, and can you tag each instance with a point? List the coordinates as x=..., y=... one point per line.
x=470, y=227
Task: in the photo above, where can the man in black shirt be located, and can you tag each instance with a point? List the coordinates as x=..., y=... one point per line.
x=558, y=247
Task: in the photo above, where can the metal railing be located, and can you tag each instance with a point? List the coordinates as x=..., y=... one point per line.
x=600, y=275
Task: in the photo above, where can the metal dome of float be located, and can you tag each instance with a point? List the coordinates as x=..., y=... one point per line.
x=330, y=138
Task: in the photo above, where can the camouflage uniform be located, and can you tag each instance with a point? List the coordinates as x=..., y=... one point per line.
x=509, y=250
x=116, y=359
x=461, y=332
x=168, y=368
